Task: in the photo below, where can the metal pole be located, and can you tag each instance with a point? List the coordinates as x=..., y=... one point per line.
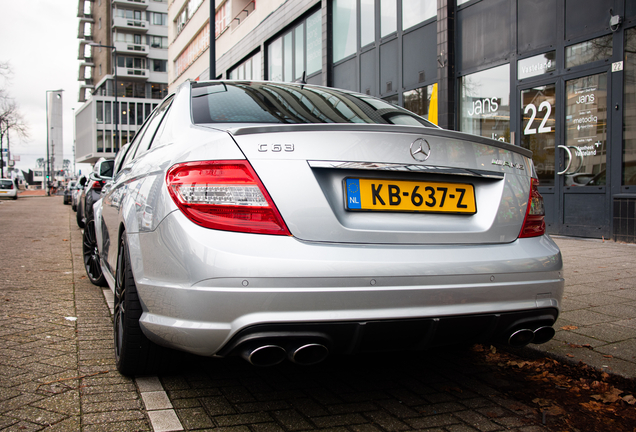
x=212, y=41
x=48, y=166
x=116, y=143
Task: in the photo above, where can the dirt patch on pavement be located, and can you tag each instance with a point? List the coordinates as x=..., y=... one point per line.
x=566, y=397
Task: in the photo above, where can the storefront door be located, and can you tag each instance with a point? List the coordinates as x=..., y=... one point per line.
x=564, y=123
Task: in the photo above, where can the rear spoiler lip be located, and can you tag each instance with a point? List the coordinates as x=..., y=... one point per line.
x=349, y=127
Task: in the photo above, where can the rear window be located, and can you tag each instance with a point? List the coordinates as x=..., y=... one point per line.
x=6, y=184
x=264, y=102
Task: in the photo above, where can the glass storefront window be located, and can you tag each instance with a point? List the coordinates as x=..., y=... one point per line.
x=388, y=18
x=299, y=50
x=140, y=113
x=344, y=28
x=99, y=111
x=367, y=22
x=392, y=99
x=588, y=51
x=586, y=127
x=107, y=114
x=294, y=45
x=100, y=141
x=423, y=102
x=288, y=57
x=314, y=43
x=124, y=113
x=248, y=70
x=108, y=143
x=629, y=110
x=417, y=11
x=484, y=106
x=538, y=131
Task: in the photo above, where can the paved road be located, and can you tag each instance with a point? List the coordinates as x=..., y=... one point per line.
x=57, y=369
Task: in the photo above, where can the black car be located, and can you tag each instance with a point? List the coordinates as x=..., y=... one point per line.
x=102, y=172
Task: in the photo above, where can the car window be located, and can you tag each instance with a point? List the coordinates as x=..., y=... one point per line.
x=264, y=102
x=160, y=114
x=145, y=136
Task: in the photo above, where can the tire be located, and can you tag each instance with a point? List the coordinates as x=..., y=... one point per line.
x=91, y=255
x=135, y=354
x=79, y=218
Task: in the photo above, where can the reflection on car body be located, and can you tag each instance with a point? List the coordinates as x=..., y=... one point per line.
x=226, y=231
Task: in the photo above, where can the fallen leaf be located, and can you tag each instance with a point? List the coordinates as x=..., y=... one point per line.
x=630, y=399
x=592, y=406
x=542, y=402
x=569, y=355
x=570, y=327
x=608, y=356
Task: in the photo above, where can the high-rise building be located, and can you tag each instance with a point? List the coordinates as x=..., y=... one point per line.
x=54, y=121
x=123, y=46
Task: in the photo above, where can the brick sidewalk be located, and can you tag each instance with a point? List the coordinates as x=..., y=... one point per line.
x=56, y=355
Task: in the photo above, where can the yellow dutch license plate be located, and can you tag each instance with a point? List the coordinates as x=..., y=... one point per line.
x=409, y=196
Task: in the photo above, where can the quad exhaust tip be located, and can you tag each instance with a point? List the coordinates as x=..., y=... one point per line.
x=270, y=355
x=309, y=354
x=266, y=355
x=523, y=337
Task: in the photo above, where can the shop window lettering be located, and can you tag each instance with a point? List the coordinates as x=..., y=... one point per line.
x=483, y=106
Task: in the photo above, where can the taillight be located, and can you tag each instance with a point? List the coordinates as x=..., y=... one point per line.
x=534, y=223
x=97, y=185
x=224, y=195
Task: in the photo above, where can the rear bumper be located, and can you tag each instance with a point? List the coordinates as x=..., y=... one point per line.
x=216, y=286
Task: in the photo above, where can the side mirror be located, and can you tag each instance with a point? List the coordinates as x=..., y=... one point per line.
x=82, y=181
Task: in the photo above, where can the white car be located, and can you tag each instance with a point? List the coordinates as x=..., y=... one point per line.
x=277, y=220
x=8, y=189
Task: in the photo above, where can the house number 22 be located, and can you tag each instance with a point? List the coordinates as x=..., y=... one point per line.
x=532, y=109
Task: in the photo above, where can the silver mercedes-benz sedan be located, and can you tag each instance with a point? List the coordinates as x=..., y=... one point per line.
x=288, y=221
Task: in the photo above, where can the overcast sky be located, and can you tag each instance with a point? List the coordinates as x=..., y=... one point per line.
x=39, y=40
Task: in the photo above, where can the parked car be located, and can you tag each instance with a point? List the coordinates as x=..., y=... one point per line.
x=77, y=191
x=8, y=189
x=68, y=192
x=102, y=173
x=277, y=220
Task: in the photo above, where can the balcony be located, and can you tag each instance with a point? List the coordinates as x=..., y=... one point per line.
x=131, y=4
x=132, y=48
x=139, y=26
x=132, y=73
x=85, y=28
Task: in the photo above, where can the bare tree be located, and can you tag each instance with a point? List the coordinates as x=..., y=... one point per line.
x=11, y=119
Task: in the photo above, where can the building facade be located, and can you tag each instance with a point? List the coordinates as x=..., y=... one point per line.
x=555, y=76
x=124, y=52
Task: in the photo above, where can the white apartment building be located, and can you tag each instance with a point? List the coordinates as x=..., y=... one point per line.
x=123, y=46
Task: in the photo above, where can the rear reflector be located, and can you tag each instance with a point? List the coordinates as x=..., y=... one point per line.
x=224, y=195
x=534, y=223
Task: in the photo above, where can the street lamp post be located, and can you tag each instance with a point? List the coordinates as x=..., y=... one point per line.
x=116, y=110
x=48, y=144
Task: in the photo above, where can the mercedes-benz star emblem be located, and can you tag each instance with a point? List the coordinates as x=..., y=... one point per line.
x=420, y=149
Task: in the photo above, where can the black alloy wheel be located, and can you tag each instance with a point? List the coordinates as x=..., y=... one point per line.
x=135, y=354
x=91, y=255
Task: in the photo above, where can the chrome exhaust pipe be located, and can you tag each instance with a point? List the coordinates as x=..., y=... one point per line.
x=309, y=354
x=266, y=355
x=521, y=338
x=543, y=334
